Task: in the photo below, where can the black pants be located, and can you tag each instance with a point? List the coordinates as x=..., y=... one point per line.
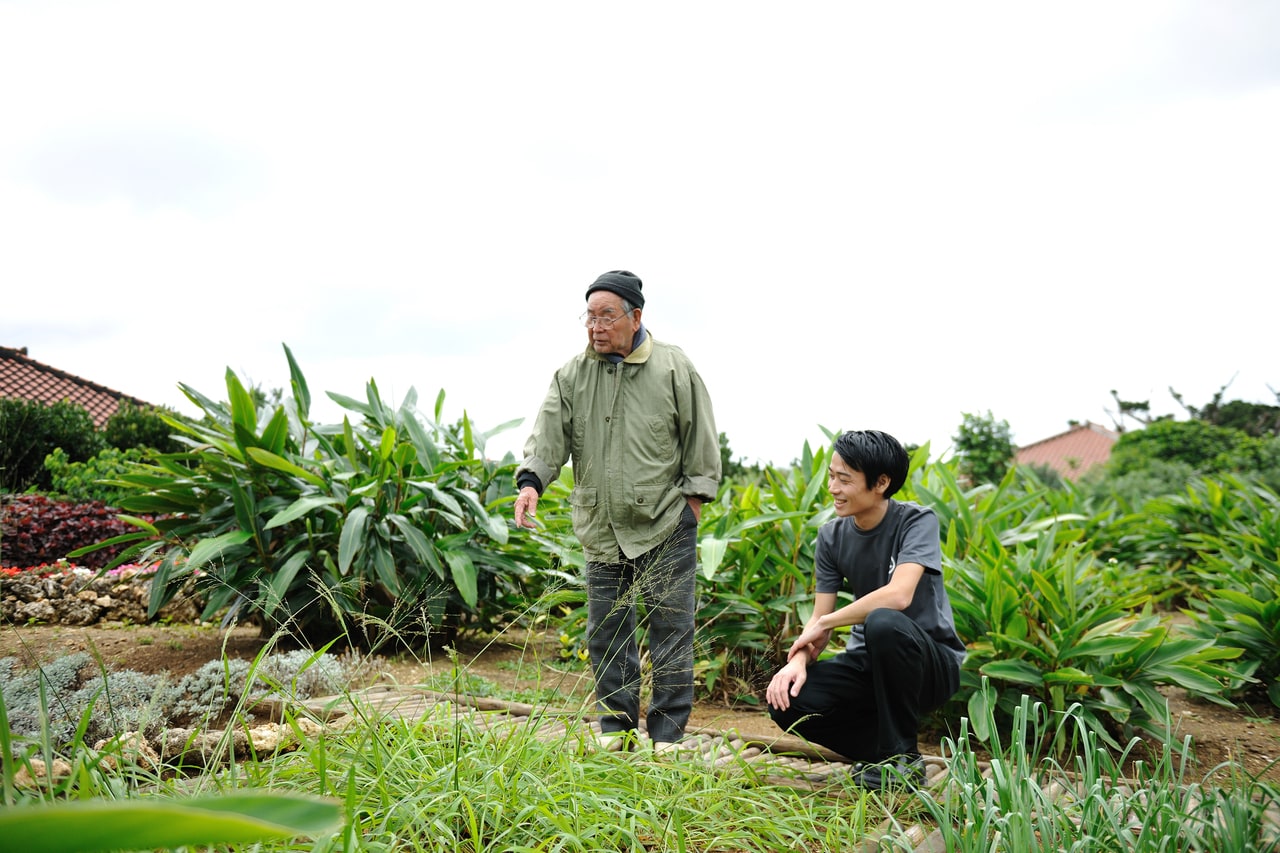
x=866, y=705
x=665, y=578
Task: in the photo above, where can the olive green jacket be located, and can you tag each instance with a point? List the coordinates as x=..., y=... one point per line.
x=641, y=437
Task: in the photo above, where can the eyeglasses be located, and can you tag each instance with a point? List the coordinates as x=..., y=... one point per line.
x=604, y=322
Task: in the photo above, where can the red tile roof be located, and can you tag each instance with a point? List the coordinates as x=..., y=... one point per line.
x=27, y=379
x=1073, y=452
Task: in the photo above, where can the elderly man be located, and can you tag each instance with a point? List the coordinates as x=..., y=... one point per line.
x=634, y=417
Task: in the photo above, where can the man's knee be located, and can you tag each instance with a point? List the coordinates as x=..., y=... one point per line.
x=884, y=624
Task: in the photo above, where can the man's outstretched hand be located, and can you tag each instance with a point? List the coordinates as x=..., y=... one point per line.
x=527, y=507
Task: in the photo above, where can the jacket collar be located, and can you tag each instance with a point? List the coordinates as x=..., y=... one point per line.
x=639, y=353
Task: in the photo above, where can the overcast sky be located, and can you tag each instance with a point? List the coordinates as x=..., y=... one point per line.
x=848, y=215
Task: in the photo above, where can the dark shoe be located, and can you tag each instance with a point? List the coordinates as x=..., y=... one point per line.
x=902, y=772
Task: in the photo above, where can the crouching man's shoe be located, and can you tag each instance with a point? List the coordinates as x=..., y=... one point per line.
x=901, y=773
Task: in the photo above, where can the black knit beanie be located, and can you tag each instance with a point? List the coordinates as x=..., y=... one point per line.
x=625, y=284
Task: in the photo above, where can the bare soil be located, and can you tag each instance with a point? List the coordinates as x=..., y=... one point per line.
x=1247, y=735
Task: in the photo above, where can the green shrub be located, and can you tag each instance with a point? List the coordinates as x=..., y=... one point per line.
x=1234, y=554
x=1205, y=447
x=133, y=427
x=371, y=529
x=30, y=431
x=91, y=480
x=755, y=580
x=1041, y=619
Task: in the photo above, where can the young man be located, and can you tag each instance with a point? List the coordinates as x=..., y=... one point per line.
x=634, y=417
x=903, y=657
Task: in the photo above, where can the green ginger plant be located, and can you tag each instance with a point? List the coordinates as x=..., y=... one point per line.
x=380, y=527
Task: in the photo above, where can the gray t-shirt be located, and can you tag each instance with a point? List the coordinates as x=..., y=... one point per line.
x=865, y=559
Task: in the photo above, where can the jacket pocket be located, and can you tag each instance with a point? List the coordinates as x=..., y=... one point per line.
x=583, y=501
x=649, y=501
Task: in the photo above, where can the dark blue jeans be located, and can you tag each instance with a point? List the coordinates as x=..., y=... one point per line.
x=866, y=705
x=664, y=577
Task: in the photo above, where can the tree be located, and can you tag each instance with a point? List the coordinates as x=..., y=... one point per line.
x=984, y=447
x=1204, y=448
x=30, y=431
x=141, y=427
x=1255, y=419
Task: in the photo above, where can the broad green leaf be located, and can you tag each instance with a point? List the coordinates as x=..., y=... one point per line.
x=468, y=441
x=300, y=507
x=139, y=522
x=980, y=714
x=494, y=525
x=1191, y=678
x=208, y=549
x=301, y=394
x=245, y=506
x=388, y=443
x=439, y=495
x=418, y=542
x=428, y=454
x=711, y=553
x=277, y=431
x=270, y=460
x=244, y=414
x=1104, y=646
x=89, y=826
x=351, y=540
x=1019, y=672
x=465, y=576
x=351, y=404
x=1068, y=675
x=277, y=586
x=107, y=543
x=384, y=566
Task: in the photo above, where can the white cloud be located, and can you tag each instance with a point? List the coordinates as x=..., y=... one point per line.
x=849, y=216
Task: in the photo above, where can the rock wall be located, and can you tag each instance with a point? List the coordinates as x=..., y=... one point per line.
x=85, y=597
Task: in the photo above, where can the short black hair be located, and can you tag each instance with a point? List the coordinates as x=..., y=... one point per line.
x=874, y=453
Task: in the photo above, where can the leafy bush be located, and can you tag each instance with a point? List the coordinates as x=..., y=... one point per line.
x=1205, y=447
x=35, y=530
x=1235, y=556
x=30, y=431
x=1041, y=620
x=1050, y=609
x=91, y=480
x=134, y=427
x=756, y=574
x=370, y=529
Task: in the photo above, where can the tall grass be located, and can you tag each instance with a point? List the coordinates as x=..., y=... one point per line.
x=450, y=778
